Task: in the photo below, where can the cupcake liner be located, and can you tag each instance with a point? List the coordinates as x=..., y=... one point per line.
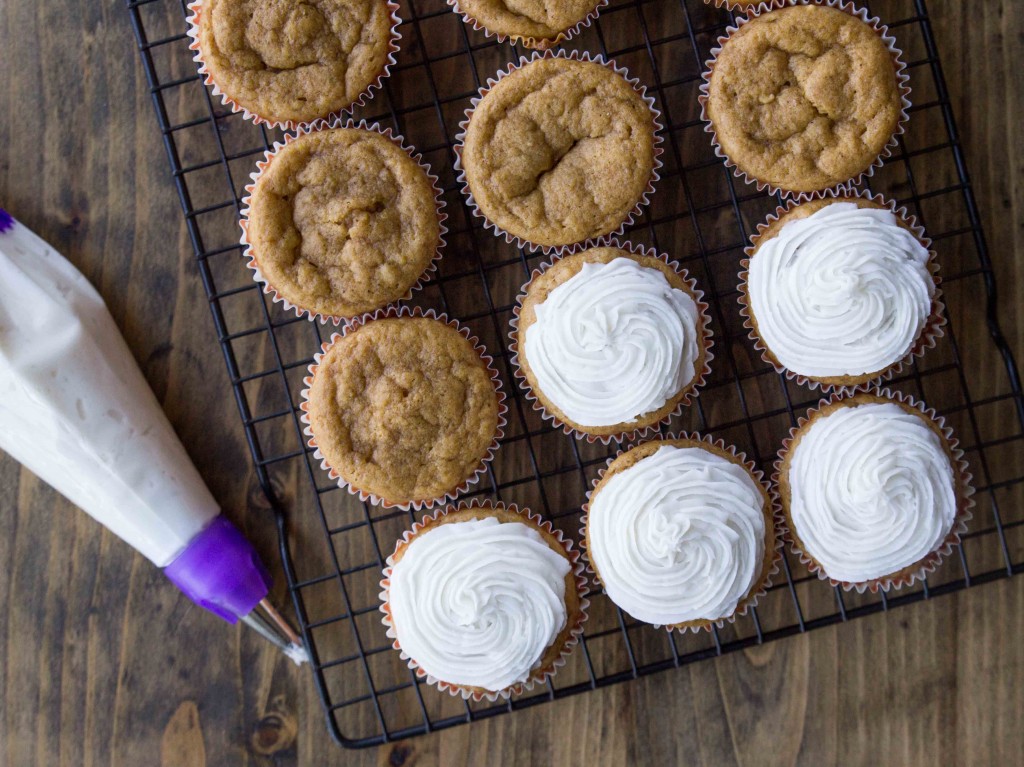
x=962, y=480
x=693, y=388
x=751, y=599
x=252, y=257
x=539, y=676
x=934, y=328
x=363, y=495
x=539, y=44
x=735, y=5
x=902, y=80
x=460, y=139
x=192, y=19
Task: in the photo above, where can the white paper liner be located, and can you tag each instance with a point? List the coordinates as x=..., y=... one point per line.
x=962, y=486
x=934, y=327
x=460, y=139
x=739, y=7
x=252, y=258
x=902, y=85
x=192, y=19
x=463, y=487
x=774, y=512
x=534, y=43
x=692, y=388
x=539, y=676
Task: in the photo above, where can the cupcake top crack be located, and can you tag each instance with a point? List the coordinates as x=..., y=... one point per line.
x=559, y=151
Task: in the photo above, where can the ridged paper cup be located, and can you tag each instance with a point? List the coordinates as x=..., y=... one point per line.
x=746, y=5
x=691, y=390
x=460, y=139
x=261, y=166
x=534, y=43
x=772, y=554
x=902, y=86
x=423, y=503
x=933, y=330
x=540, y=675
x=961, y=481
x=196, y=9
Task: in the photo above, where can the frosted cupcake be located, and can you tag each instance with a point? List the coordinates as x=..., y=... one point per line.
x=841, y=291
x=484, y=600
x=874, y=490
x=611, y=340
x=681, y=533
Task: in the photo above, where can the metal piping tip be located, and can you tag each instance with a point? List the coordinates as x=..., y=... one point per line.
x=270, y=624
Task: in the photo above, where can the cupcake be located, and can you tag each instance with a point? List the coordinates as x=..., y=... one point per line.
x=681, y=533
x=806, y=97
x=404, y=408
x=611, y=340
x=874, y=490
x=841, y=291
x=287, y=63
x=532, y=24
x=559, y=150
x=343, y=221
x=484, y=600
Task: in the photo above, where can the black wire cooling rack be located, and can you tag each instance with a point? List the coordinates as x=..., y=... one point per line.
x=333, y=546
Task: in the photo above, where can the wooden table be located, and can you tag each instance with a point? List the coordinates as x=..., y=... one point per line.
x=103, y=662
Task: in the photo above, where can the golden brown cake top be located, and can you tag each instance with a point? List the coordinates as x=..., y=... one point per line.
x=294, y=61
x=559, y=151
x=343, y=221
x=403, y=408
x=543, y=22
x=804, y=97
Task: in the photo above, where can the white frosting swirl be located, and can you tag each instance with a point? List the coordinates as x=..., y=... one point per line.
x=678, y=536
x=614, y=342
x=871, y=491
x=843, y=292
x=477, y=603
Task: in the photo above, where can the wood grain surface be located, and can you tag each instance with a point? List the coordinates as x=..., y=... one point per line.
x=102, y=662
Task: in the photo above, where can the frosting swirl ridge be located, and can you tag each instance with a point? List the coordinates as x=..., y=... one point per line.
x=678, y=536
x=845, y=291
x=871, y=491
x=614, y=342
x=478, y=602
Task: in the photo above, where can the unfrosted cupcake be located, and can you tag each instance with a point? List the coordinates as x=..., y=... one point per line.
x=805, y=98
x=484, y=600
x=681, y=533
x=342, y=221
x=288, y=63
x=874, y=490
x=404, y=409
x=611, y=340
x=841, y=291
x=533, y=24
x=559, y=150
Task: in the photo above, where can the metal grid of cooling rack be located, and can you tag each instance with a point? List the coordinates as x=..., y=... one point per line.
x=333, y=547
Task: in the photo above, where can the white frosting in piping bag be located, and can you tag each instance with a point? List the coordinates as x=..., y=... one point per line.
x=871, y=491
x=678, y=536
x=845, y=291
x=477, y=603
x=75, y=409
x=614, y=342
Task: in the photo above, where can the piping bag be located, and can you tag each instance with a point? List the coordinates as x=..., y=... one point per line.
x=77, y=411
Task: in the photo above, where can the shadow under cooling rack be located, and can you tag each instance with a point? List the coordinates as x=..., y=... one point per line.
x=333, y=547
